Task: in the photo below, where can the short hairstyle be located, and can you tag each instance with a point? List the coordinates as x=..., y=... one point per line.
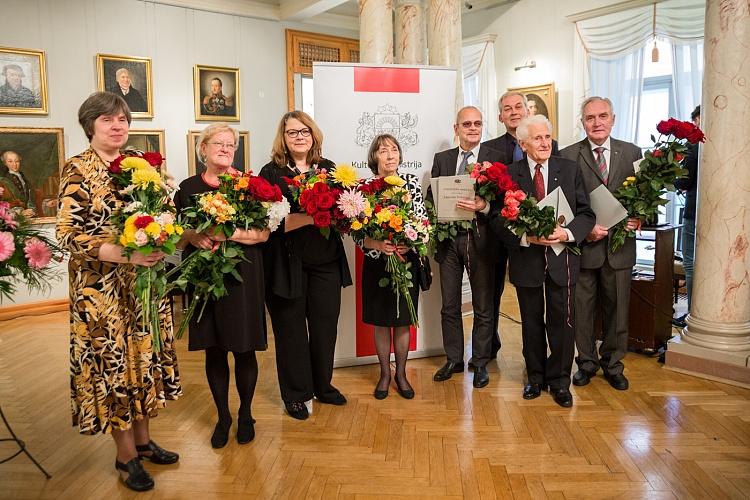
x=218, y=80
x=511, y=93
x=14, y=67
x=594, y=99
x=522, y=132
x=696, y=112
x=2, y=156
x=210, y=131
x=101, y=104
x=464, y=109
x=372, y=154
x=121, y=71
x=280, y=154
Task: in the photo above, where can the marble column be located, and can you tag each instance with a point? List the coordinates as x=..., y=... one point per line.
x=376, y=31
x=410, y=27
x=716, y=341
x=444, y=39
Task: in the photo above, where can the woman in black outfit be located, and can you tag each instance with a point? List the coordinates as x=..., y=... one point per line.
x=236, y=322
x=304, y=276
x=379, y=303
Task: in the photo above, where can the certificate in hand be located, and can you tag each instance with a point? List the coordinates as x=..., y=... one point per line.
x=608, y=210
x=446, y=191
x=563, y=213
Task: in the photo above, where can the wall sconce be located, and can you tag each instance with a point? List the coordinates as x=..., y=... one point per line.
x=526, y=64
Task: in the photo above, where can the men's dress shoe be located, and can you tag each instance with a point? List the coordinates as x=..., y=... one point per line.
x=245, y=430
x=335, y=398
x=220, y=437
x=137, y=479
x=481, y=377
x=297, y=410
x=582, y=377
x=447, y=370
x=532, y=391
x=618, y=381
x=563, y=397
x=156, y=454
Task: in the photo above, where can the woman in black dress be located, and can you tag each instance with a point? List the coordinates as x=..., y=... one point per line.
x=237, y=321
x=304, y=276
x=379, y=303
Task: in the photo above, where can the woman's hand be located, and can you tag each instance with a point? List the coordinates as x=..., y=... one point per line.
x=401, y=249
x=109, y=252
x=251, y=236
x=216, y=234
x=383, y=246
x=199, y=240
x=296, y=221
x=149, y=260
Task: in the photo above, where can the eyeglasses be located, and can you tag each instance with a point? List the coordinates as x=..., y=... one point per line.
x=224, y=145
x=304, y=132
x=477, y=124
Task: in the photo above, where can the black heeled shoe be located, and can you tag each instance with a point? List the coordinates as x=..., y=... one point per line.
x=138, y=479
x=381, y=394
x=245, y=430
x=404, y=393
x=220, y=437
x=158, y=455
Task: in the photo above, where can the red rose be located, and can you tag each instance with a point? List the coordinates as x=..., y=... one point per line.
x=657, y=153
x=696, y=136
x=325, y=200
x=664, y=127
x=510, y=213
x=154, y=158
x=307, y=201
x=114, y=166
x=512, y=202
x=320, y=187
x=519, y=195
x=678, y=157
x=261, y=189
x=683, y=129
x=142, y=221
x=322, y=219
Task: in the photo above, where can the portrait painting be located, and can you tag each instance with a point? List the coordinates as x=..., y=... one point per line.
x=23, y=81
x=541, y=100
x=241, y=154
x=30, y=163
x=130, y=78
x=216, y=93
x=147, y=140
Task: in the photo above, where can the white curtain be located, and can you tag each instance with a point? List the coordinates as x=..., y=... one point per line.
x=480, y=87
x=687, y=71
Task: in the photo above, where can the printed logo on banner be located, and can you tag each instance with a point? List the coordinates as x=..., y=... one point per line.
x=387, y=120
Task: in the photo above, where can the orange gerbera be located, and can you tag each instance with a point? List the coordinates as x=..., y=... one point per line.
x=396, y=223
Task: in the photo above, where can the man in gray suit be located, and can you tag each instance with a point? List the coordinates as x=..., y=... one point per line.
x=605, y=275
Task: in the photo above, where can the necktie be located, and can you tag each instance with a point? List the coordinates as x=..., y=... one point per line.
x=517, y=152
x=601, y=163
x=464, y=162
x=539, y=183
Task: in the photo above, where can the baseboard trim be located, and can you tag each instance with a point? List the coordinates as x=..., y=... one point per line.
x=33, y=308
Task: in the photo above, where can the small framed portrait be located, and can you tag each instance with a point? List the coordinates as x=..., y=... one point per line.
x=542, y=101
x=31, y=160
x=241, y=154
x=130, y=78
x=148, y=140
x=23, y=81
x=216, y=93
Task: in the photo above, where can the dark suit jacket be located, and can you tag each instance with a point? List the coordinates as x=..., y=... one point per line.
x=24, y=193
x=622, y=156
x=444, y=164
x=505, y=145
x=689, y=184
x=529, y=265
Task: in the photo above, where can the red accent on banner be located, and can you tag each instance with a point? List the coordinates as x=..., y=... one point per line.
x=366, y=333
x=386, y=80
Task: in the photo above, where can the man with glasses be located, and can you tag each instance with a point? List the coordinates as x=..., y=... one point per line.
x=474, y=250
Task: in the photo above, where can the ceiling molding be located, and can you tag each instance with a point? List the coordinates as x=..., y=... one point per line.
x=610, y=9
x=300, y=10
x=242, y=8
x=335, y=21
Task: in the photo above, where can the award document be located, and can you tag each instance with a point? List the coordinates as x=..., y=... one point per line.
x=563, y=213
x=446, y=191
x=608, y=210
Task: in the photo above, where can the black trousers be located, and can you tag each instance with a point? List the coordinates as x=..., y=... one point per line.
x=501, y=267
x=555, y=327
x=304, y=330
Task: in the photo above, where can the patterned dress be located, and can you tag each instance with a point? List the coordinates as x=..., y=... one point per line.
x=115, y=377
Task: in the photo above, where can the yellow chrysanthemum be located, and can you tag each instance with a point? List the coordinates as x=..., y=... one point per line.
x=169, y=229
x=630, y=178
x=123, y=240
x=384, y=216
x=178, y=230
x=394, y=180
x=153, y=229
x=356, y=225
x=134, y=163
x=146, y=177
x=345, y=175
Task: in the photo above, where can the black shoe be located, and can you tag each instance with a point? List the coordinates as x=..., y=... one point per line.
x=563, y=397
x=582, y=377
x=532, y=391
x=404, y=393
x=618, y=381
x=220, y=437
x=156, y=454
x=447, y=371
x=335, y=398
x=481, y=377
x=138, y=478
x=245, y=430
x=297, y=410
x=380, y=394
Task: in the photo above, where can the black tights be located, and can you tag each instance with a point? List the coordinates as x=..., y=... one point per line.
x=401, y=338
x=245, y=375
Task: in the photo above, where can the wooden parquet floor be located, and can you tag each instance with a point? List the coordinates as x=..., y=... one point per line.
x=669, y=436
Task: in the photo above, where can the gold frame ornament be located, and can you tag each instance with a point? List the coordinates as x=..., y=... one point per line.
x=139, y=69
x=243, y=149
x=34, y=62
x=226, y=108
x=546, y=95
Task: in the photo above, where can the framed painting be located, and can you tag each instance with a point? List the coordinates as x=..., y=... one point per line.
x=241, y=154
x=542, y=101
x=130, y=78
x=148, y=140
x=216, y=93
x=23, y=81
x=31, y=160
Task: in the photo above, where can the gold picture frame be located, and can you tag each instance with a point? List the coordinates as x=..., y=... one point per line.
x=23, y=82
x=216, y=93
x=241, y=154
x=547, y=102
x=147, y=140
x=109, y=70
x=38, y=154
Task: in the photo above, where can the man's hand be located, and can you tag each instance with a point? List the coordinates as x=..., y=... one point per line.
x=476, y=205
x=633, y=224
x=559, y=235
x=597, y=233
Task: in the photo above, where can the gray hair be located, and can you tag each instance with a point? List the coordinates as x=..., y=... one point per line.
x=468, y=107
x=522, y=132
x=5, y=154
x=210, y=131
x=15, y=67
x=511, y=93
x=121, y=71
x=594, y=99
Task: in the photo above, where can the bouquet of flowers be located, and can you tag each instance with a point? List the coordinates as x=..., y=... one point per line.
x=642, y=194
x=317, y=190
x=240, y=202
x=381, y=209
x=25, y=253
x=146, y=224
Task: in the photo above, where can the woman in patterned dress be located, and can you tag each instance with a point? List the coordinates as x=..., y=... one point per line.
x=379, y=303
x=117, y=381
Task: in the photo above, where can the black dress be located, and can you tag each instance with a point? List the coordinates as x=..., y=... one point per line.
x=237, y=321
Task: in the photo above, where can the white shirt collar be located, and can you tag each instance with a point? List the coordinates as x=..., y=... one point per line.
x=475, y=150
x=605, y=145
x=532, y=164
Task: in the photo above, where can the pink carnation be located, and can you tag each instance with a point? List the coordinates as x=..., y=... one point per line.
x=7, y=246
x=411, y=233
x=37, y=252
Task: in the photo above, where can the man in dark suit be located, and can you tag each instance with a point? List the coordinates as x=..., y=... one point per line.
x=474, y=250
x=124, y=88
x=605, y=275
x=544, y=280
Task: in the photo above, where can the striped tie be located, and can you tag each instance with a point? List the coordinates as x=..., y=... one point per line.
x=464, y=162
x=601, y=163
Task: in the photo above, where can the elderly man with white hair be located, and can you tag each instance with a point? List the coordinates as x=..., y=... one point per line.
x=545, y=282
x=124, y=88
